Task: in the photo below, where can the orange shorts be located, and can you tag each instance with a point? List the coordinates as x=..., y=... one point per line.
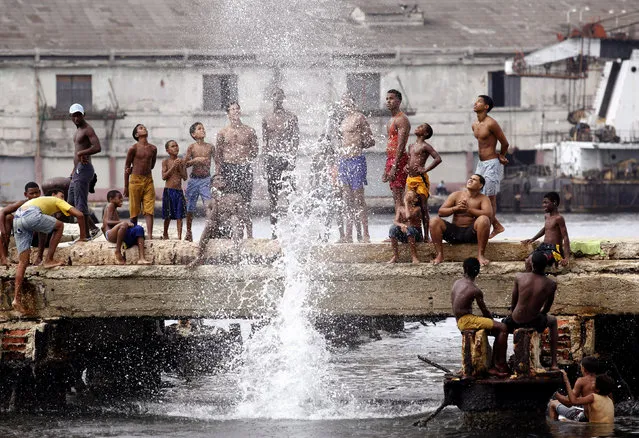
x=420, y=184
x=141, y=194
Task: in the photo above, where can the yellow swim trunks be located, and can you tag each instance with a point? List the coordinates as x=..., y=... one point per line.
x=141, y=193
x=474, y=322
x=420, y=184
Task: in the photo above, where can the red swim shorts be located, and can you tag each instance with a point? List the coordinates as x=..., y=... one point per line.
x=401, y=175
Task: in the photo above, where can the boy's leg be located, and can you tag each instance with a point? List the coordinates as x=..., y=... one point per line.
x=179, y=229
x=362, y=213
x=53, y=245
x=23, y=262
x=500, y=331
x=149, y=225
x=497, y=226
x=167, y=221
x=142, y=259
x=189, y=222
x=552, y=410
x=437, y=228
x=413, y=249
x=118, y=233
x=395, y=247
x=552, y=325
x=348, y=213
x=482, y=228
x=423, y=205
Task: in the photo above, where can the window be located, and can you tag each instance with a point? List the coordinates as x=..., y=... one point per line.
x=365, y=89
x=505, y=90
x=72, y=89
x=218, y=91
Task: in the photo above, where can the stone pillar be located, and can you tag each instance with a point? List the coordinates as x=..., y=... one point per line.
x=476, y=353
x=527, y=352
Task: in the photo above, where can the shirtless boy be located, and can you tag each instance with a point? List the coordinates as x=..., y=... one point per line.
x=598, y=406
x=396, y=159
x=464, y=292
x=235, y=150
x=556, y=246
x=584, y=386
x=173, y=201
x=36, y=215
x=491, y=164
x=281, y=139
x=86, y=143
x=198, y=156
x=533, y=295
x=31, y=191
x=417, y=179
x=140, y=161
x=225, y=217
x=407, y=227
x=356, y=135
x=121, y=232
x=471, y=213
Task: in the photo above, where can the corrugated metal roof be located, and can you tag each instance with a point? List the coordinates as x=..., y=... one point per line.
x=254, y=26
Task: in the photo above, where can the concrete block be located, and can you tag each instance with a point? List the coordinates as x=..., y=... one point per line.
x=527, y=352
x=476, y=353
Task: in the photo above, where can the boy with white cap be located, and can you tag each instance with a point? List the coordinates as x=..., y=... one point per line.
x=86, y=143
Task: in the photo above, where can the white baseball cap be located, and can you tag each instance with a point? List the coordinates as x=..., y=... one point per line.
x=76, y=108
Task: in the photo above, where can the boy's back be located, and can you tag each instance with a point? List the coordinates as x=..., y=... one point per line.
x=533, y=290
x=601, y=410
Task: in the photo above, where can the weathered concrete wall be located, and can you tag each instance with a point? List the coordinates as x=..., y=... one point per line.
x=245, y=282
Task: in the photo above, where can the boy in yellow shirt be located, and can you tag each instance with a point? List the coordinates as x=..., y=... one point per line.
x=36, y=216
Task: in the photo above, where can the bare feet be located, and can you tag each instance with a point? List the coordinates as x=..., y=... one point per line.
x=38, y=261
x=495, y=372
x=119, y=259
x=165, y=237
x=344, y=240
x=437, y=260
x=4, y=262
x=143, y=262
x=52, y=264
x=483, y=260
x=393, y=260
x=195, y=262
x=366, y=239
x=497, y=230
x=387, y=240
x=18, y=307
x=416, y=260
x=188, y=237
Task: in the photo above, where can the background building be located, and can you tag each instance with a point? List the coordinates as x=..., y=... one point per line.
x=167, y=64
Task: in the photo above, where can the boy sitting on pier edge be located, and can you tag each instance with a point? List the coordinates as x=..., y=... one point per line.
x=555, y=233
x=464, y=292
x=121, y=232
x=533, y=295
x=407, y=226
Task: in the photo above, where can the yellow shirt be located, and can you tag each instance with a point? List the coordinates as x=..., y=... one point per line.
x=48, y=205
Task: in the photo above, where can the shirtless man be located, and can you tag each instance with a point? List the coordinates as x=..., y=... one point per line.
x=281, y=139
x=398, y=131
x=556, y=246
x=533, y=295
x=471, y=220
x=417, y=179
x=235, y=149
x=86, y=144
x=491, y=164
x=464, y=292
x=225, y=217
x=140, y=161
x=198, y=156
x=356, y=136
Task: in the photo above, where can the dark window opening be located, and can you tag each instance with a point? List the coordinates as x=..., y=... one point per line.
x=218, y=91
x=72, y=89
x=505, y=90
x=365, y=89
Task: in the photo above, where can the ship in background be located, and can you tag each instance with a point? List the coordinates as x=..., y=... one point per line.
x=594, y=167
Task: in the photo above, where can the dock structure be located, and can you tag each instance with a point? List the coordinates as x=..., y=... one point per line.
x=87, y=314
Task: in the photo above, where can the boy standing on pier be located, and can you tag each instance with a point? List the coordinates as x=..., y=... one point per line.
x=140, y=161
x=417, y=179
x=173, y=200
x=407, y=227
x=199, y=156
x=556, y=246
x=533, y=295
x=36, y=215
x=121, y=232
x=464, y=292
